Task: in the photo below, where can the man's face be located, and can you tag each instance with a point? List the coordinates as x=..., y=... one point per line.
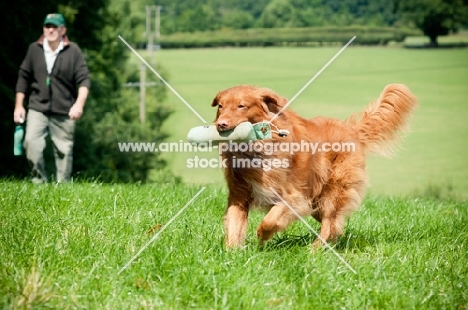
x=54, y=33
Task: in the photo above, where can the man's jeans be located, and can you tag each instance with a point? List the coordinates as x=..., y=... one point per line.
x=61, y=129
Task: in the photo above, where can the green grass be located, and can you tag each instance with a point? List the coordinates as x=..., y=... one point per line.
x=433, y=154
x=62, y=246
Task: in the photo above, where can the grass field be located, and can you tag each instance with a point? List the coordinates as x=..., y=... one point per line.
x=433, y=155
x=62, y=247
x=70, y=246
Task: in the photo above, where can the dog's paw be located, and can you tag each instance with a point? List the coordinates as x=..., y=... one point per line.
x=319, y=244
x=234, y=244
x=265, y=233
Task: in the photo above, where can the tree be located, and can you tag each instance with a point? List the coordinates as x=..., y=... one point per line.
x=201, y=18
x=111, y=115
x=436, y=17
x=237, y=19
x=278, y=13
x=310, y=13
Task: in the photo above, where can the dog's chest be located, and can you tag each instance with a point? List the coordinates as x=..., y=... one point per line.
x=262, y=197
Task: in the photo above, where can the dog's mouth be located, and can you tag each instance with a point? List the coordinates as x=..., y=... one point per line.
x=224, y=128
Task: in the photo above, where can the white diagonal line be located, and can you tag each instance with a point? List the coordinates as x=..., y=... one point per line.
x=162, y=79
x=310, y=227
x=312, y=79
x=160, y=231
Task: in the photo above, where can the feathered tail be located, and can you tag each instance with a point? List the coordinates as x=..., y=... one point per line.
x=379, y=124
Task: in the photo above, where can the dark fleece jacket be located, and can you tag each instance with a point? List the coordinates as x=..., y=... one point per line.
x=68, y=74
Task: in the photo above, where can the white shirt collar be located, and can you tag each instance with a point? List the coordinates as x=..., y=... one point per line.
x=49, y=50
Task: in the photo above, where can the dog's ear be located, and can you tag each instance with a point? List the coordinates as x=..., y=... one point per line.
x=215, y=102
x=273, y=102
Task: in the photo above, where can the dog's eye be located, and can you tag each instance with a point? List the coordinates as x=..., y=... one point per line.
x=220, y=106
x=241, y=106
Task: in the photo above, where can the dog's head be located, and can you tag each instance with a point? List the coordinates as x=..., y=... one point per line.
x=245, y=104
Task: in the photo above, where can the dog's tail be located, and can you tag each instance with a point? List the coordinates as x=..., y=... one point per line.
x=379, y=124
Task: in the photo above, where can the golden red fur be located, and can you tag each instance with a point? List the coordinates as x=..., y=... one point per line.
x=327, y=185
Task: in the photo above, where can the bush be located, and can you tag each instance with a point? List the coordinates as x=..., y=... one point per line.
x=287, y=37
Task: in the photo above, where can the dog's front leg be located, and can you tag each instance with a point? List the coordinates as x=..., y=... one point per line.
x=235, y=224
x=277, y=219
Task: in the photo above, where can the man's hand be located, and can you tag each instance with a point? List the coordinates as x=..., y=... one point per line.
x=19, y=114
x=76, y=111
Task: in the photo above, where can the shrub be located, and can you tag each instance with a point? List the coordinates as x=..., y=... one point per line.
x=286, y=36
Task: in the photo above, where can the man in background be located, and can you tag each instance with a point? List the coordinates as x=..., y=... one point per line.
x=55, y=75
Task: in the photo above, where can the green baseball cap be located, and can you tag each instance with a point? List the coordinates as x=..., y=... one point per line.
x=56, y=19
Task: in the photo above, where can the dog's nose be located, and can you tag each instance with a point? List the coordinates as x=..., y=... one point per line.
x=222, y=124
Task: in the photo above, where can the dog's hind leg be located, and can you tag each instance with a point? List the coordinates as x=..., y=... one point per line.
x=334, y=208
x=329, y=221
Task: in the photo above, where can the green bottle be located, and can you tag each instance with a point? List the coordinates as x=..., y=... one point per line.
x=19, y=134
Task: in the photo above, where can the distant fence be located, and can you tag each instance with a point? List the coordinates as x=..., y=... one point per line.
x=319, y=36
